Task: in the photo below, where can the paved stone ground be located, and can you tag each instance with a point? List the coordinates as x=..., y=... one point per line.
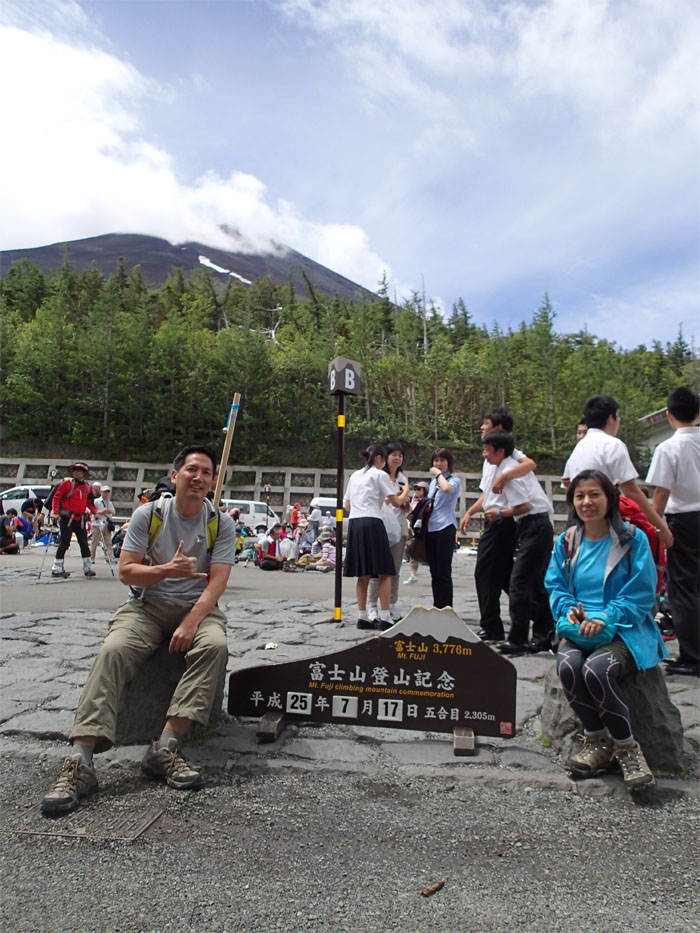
x=45, y=656
x=332, y=827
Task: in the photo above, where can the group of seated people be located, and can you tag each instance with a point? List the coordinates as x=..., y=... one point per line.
x=284, y=548
x=16, y=531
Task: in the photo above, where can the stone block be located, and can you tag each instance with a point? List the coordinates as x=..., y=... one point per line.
x=144, y=702
x=328, y=750
x=427, y=752
x=515, y=756
x=656, y=722
x=528, y=703
x=41, y=724
x=10, y=708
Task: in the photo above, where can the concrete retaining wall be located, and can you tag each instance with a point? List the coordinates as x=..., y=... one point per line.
x=287, y=484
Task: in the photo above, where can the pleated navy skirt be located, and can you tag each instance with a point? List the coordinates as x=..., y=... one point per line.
x=367, y=552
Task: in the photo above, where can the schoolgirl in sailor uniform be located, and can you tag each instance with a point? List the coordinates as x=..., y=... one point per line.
x=368, y=553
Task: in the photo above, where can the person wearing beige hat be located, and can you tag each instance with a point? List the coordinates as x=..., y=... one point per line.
x=104, y=510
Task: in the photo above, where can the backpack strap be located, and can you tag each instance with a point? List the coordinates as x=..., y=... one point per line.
x=212, y=526
x=570, y=549
x=622, y=529
x=66, y=496
x=155, y=523
x=158, y=515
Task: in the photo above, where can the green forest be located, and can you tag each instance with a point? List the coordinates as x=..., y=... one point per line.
x=113, y=368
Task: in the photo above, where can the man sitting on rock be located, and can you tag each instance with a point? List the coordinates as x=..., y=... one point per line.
x=176, y=560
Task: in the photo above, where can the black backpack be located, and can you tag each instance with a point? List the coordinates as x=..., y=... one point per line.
x=49, y=499
x=163, y=486
x=420, y=516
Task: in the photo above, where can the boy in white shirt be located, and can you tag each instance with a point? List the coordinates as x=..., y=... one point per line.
x=602, y=450
x=494, y=560
x=675, y=472
x=530, y=508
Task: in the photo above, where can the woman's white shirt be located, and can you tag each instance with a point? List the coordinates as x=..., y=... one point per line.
x=367, y=490
x=400, y=511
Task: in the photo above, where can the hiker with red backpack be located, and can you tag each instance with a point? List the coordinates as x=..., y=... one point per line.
x=69, y=503
x=601, y=582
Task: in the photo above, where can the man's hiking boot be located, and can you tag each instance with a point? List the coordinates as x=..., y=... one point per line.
x=635, y=770
x=87, y=568
x=596, y=755
x=167, y=764
x=76, y=780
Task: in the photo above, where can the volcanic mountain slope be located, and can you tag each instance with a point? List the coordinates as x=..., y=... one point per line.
x=158, y=258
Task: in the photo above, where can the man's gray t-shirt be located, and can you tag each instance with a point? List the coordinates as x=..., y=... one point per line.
x=176, y=528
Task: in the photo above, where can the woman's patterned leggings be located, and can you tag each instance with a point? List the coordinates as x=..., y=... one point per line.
x=590, y=682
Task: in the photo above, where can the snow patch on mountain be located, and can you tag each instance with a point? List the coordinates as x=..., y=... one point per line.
x=207, y=262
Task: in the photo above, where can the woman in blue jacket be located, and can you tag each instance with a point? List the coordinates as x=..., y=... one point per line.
x=601, y=583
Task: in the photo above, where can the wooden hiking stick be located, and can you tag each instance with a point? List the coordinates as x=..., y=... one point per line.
x=230, y=427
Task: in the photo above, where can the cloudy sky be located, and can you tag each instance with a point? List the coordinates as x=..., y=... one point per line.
x=492, y=150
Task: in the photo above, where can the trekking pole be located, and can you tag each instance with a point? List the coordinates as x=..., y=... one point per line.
x=104, y=551
x=52, y=477
x=46, y=550
x=229, y=429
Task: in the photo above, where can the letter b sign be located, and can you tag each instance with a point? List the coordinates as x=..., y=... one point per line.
x=344, y=376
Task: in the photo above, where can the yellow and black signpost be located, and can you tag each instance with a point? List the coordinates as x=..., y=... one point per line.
x=344, y=379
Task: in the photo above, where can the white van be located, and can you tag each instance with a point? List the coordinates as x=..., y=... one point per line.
x=257, y=515
x=324, y=503
x=15, y=497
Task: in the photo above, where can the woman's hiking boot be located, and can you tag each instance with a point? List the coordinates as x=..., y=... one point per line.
x=596, y=755
x=635, y=770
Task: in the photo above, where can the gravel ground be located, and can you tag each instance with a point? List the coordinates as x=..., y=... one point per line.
x=290, y=850
x=330, y=828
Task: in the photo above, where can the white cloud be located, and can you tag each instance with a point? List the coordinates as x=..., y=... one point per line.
x=636, y=312
x=565, y=132
x=625, y=64
x=535, y=141
x=82, y=163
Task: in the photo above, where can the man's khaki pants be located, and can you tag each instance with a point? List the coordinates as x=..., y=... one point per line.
x=137, y=630
x=100, y=533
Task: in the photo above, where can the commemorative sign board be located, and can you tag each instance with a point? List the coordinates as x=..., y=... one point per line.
x=429, y=672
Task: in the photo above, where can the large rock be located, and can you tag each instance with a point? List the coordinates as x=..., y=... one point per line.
x=144, y=701
x=656, y=722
